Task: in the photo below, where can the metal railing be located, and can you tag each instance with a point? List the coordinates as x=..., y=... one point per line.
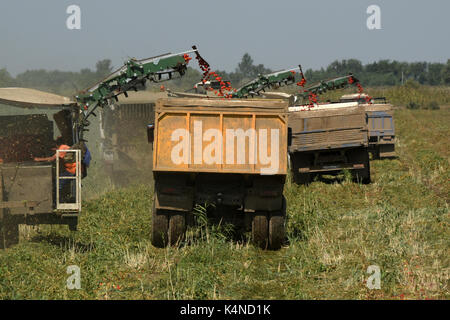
x=74, y=205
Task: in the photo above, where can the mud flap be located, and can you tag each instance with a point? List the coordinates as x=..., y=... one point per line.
x=173, y=193
x=266, y=194
x=9, y=231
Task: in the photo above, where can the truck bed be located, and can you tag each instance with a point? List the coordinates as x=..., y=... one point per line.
x=209, y=130
x=380, y=121
x=327, y=129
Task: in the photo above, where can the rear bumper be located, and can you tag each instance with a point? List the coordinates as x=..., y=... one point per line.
x=331, y=168
x=181, y=191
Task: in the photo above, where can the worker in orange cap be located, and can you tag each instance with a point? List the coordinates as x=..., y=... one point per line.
x=69, y=165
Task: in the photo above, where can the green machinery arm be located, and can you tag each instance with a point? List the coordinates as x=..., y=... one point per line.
x=263, y=82
x=327, y=85
x=133, y=74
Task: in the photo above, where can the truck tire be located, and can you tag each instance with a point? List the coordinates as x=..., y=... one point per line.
x=362, y=175
x=9, y=234
x=294, y=170
x=276, y=231
x=160, y=227
x=73, y=224
x=366, y=177
x=260, y=230
x=298, y=161
x=376, y=153
x=303, y=178
x=277, y=227
x=177, y=227
x=73, y=227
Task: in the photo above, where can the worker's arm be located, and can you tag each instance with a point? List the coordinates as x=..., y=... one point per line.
x=48, y=159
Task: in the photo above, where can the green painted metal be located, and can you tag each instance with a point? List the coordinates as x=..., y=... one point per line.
x=327, y=85
x=133, y=74
x=263, y=82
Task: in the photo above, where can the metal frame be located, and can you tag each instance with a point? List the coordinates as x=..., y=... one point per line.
x=69, y=206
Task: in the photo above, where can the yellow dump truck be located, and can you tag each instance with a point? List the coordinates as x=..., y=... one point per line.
x=230, y=153
x=327, y=139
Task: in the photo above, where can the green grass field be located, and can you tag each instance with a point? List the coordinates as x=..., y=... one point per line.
x=400, y=223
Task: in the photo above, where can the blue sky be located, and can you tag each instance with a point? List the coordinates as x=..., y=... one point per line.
x=279, y=34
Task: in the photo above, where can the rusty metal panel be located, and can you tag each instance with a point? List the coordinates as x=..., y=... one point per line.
x=378, y=107
x=210, y=135
x=328, y=129
x=32, y=98
x=125, y=150
x=23, y=137
x=380, y=120
x=32, y=184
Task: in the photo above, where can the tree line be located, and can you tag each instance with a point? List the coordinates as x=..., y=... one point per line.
x=386, y=72
x=379, y=73
x=61, y=82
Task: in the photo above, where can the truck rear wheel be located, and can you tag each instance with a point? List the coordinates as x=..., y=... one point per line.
x=277, y=228
x=366, y=179
x=73, y=224
x=276, y=231
x=303, y=178
x=375, y=151
x=160, y=227
x=177, y=227
x=260, y=230
x=362, y=175
x=9, y=234
x=300, y=161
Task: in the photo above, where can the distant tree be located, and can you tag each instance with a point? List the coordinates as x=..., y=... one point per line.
x=334, y=68
x=378, y=73
x=248, y=70
x=245, y=67
x=260, y=69
x=103, y=68
x=381, y=66
x=191, y=77
x=445, y=73
x=340, y=68
x=434, y=74
x=384, y=66
x=417, y=71
x=5, y=79
x=354, y=65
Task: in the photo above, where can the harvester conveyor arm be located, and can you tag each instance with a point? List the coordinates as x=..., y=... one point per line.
x=263, y=82
x=129, y=77
x=328, y=85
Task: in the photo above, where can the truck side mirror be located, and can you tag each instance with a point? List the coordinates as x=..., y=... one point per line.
x=150, y=133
